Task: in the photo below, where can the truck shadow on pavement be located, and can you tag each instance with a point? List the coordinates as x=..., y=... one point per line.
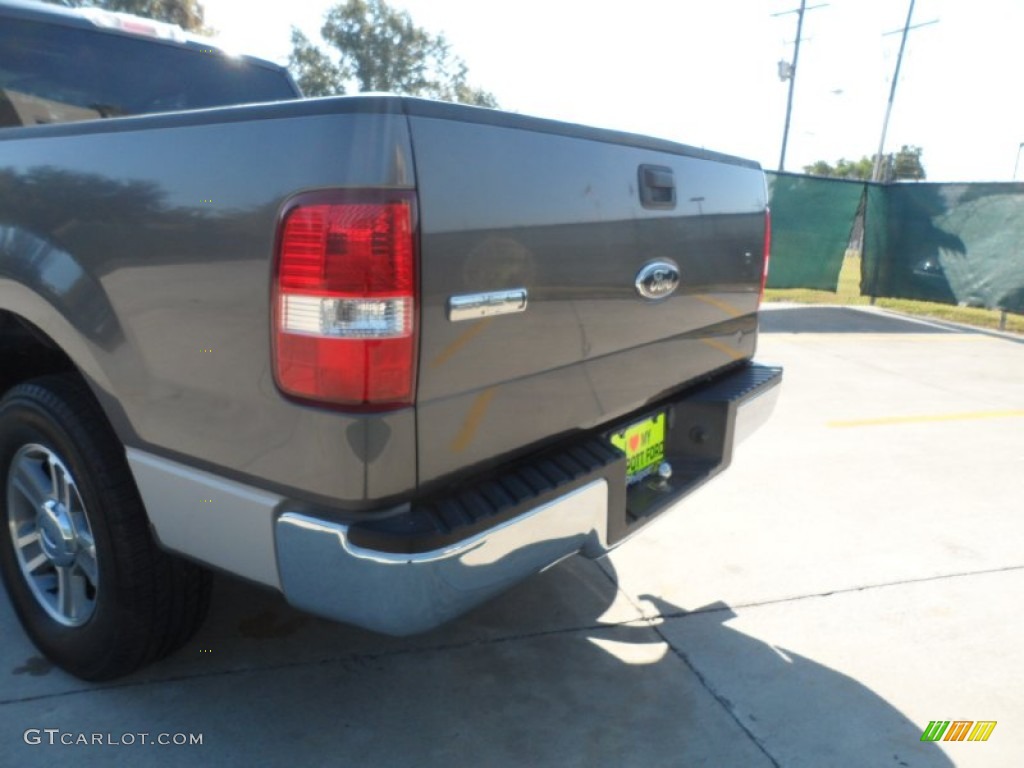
x=562, y=670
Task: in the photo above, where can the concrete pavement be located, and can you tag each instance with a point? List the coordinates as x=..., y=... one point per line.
x=856, y=574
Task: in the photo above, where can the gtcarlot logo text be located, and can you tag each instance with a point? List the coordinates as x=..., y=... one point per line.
x=55, y=736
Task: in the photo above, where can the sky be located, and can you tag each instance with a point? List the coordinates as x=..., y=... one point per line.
x=705, y=72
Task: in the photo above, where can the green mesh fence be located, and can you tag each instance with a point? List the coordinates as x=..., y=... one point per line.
x=811, y=222
x=951, y=243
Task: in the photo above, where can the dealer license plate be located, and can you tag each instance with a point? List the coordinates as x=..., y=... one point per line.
x=644, y=446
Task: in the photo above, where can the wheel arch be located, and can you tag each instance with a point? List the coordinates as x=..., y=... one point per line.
x=37, y=340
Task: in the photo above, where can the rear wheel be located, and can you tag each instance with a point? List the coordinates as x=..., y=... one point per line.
x=85, y=576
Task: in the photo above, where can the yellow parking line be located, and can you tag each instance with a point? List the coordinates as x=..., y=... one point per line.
x=887, y=420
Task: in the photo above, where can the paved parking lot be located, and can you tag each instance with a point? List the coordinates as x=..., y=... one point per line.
x=858, y=573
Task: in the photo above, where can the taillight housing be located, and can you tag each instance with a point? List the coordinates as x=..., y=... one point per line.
x=344, y=299
x=767, y=252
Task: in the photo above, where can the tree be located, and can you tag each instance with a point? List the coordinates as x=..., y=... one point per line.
x=843, y=169
x=381, y=49
x=187, y=14
x=313, y=69
x=903, y=165
x=906, y=164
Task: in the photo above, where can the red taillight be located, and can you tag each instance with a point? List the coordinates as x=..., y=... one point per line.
x=767, y=251
x=345, y=299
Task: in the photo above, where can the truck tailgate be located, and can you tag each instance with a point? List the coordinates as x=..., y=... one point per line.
x=559, y=211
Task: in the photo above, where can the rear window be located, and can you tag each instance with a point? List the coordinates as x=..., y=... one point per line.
x=51, y=73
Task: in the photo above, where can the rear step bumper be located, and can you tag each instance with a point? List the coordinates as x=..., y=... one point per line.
x=441, y=557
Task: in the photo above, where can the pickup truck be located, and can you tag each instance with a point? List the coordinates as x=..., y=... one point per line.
x=385, y=355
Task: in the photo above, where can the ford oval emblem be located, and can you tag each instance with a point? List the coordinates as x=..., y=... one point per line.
x=657, y=280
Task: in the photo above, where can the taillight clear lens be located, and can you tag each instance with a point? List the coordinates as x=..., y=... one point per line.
x=345, y=300
x=767, y=251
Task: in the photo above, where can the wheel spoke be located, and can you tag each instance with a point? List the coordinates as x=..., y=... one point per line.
x=84, y=535
x=86, y=563
x=54, y=478
x=21, y=542
x=36, y=562
x=65, y=592
x=79, y=523
x=61, y=489
x=31, y=482
x=80, y=604
x=65, y=491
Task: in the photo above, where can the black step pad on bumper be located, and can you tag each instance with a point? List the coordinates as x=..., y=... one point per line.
x=702, y=430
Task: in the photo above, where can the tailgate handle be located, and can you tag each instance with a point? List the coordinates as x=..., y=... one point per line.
x=473, y=306
x=657, y=187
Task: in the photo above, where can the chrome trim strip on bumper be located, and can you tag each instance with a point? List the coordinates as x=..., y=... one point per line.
x=401, y=594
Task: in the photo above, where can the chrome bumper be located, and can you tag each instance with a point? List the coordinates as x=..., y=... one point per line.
x=324, y=572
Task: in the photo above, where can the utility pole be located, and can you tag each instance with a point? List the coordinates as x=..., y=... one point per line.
x=876, y=172
x=790, y=71
x=1017, y=161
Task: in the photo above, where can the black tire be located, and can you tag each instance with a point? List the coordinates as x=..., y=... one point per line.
x=144, y=603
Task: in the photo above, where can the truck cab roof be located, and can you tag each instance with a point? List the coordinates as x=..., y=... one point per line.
x=123, y=24
x=69, y=64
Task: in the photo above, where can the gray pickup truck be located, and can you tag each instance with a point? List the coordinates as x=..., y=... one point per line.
x=385, y=355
